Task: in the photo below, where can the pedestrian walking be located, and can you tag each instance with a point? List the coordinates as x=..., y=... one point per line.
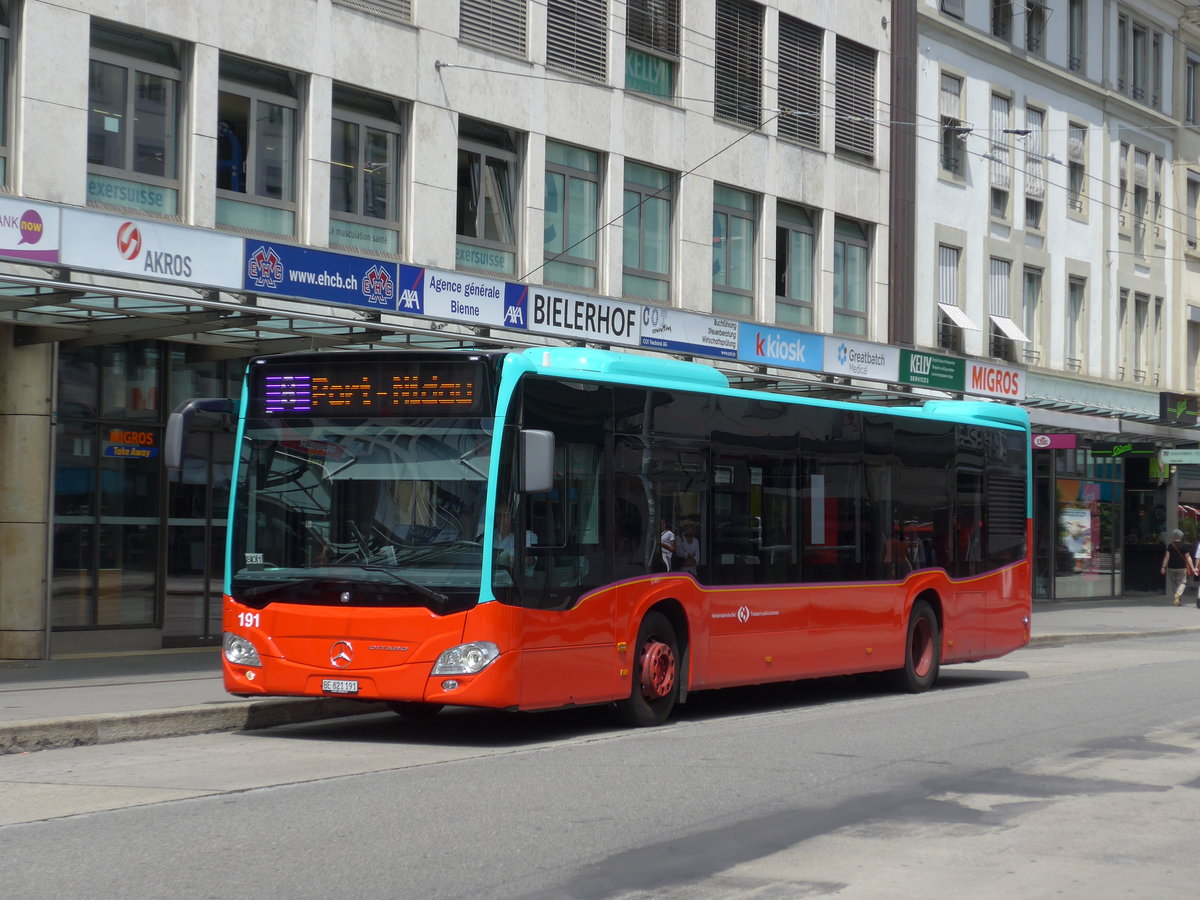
x=1177, y=565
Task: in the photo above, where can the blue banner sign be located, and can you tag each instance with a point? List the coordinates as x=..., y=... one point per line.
x=766, y=346
x=321, y=276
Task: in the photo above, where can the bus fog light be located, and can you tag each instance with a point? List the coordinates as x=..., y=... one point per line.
x=249, y=673
x=466, y=659
x=449, y=685
x=240, y=651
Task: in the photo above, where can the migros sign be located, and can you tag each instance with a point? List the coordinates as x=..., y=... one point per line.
x=988, y=380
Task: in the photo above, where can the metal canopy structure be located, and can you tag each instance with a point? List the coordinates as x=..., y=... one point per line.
x=215, y=325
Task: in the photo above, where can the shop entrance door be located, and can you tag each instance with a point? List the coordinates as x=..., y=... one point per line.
x=196, y=530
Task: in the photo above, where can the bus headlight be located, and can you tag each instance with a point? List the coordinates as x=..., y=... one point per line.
x=466, y=659
x=240, y=651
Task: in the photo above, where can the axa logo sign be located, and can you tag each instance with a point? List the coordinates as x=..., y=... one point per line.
x=516, y=306
x=132, y=247
x=411, y=299
x=265, y=268
x=779, y=347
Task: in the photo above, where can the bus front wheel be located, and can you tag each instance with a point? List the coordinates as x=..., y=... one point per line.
x=655, y=674
x=922, y=652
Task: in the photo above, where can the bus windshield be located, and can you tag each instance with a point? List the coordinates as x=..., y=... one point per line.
x=391, y=508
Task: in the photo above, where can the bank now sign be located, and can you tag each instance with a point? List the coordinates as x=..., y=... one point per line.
x=991, y=380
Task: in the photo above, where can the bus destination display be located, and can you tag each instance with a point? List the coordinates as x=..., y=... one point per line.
x=370, y=390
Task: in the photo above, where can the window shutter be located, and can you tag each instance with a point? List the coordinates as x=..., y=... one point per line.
x=1000, y=174
x=1035, y=162
x=1000, y=269
x=577, y=37
x=854, y=98
x=495, y=24
x=948, y=275
x=949, y=97
x=396, y=10
x=800, y=80
x=738, y=93
x=1076, y=143
x=1141, y=166
x=653, y=24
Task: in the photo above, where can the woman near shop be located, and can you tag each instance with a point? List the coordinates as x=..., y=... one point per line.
x=1177, y=565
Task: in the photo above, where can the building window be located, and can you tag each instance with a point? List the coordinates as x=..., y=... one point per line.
x=795, y=244
x=851, y=288
x=499, y=25
x=854, y=100
x=1000, y=167
x=1141, y=200
x=652, y=46
x=1076, y=297
x=256, y=147
x=953, y=8
x=1141, y=334
x=572, y=215
x=1035, y=167
x=1002, y=16
x=577, y=37
x=133, y=122
x=4, y=58
x=737, y=75
x=1193, y=205
x=486, y=219
x=1076, y=34
x=953, y=322
x=800, y=81
x=1035, y=27
x=953, y=132
x=1123, y=334
x=1004, y=332
x=1032, y=308
x=1193, y=352
x=1139, y=61
x=647, y=233
x=734, y=214
x=1076, y=167
x=1190, y=86
x=395, y=10
x=364, y=172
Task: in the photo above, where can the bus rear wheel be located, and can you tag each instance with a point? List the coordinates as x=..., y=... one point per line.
x=413, y=709
x=655, y=674
x=922, y=652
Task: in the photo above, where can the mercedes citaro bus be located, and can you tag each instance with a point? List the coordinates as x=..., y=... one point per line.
x=484, y=529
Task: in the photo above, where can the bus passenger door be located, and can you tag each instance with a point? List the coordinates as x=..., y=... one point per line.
x=569, y=645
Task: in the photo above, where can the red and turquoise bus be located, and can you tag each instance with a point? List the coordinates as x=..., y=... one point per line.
x=485, y=529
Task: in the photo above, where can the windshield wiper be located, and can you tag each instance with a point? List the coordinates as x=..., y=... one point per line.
x=426, y=592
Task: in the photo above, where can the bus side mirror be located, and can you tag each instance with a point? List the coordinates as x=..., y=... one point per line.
x=179, y=423
x=537, y=461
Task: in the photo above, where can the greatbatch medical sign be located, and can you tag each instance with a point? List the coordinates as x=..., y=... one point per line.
x=29, y=230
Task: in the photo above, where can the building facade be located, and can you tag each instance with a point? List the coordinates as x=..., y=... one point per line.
x=1055, y=214
x=182, y=192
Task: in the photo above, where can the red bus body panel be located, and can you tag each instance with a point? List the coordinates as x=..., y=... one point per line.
x=735, y=635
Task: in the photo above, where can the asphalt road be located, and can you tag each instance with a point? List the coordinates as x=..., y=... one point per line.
x=1065, y=772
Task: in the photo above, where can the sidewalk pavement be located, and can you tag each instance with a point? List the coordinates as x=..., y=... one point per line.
x=100, y=699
